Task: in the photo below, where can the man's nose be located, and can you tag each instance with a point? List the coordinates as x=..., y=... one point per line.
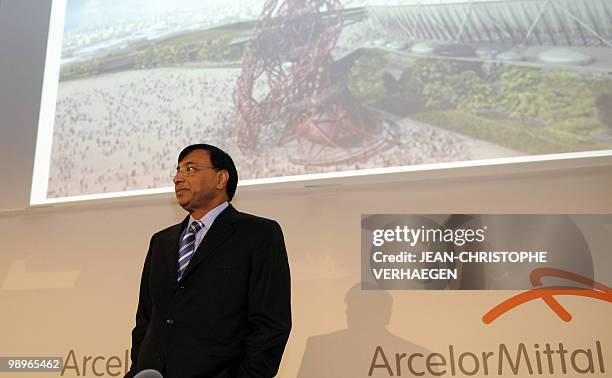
x=177, y=178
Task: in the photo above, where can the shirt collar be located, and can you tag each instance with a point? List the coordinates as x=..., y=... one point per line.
x=210, y=217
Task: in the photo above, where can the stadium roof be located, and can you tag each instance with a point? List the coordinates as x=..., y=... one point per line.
x=585, y=23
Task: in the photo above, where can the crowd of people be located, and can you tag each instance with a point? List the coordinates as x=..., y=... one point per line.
x=123, y=131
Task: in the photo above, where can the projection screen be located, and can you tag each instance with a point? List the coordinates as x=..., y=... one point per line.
x=307, y=90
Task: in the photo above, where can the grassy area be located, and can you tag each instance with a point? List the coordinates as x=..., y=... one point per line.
x=201, y=48
x=205, y=35
x=574, y=136
x=212, y=47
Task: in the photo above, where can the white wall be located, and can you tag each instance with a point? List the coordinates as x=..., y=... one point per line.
x=69, y=274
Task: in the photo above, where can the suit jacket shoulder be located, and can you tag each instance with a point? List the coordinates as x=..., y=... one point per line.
x=244, y=222
x=259, y=223
x=258, y=231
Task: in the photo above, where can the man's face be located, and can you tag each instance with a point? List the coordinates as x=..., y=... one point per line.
x=201, y=188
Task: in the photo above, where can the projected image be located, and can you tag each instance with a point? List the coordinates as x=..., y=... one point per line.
x=289, y=87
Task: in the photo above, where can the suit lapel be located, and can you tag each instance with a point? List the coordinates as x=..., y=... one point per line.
x=220, y=230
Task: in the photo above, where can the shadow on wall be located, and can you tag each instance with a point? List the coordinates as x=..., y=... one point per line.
x=357, y=351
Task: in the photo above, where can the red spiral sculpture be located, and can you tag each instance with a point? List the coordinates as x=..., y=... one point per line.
x=287, y=90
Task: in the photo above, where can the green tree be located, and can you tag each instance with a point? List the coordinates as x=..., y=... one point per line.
x=442, y=84
x=546, y=95
x=366, y=79
x=465, y=91
x=81, y=69
x=426, y=71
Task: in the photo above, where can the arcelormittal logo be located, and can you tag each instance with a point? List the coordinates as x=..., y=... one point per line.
x=547, y=293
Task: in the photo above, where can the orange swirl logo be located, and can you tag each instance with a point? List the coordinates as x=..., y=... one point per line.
x=548, y=293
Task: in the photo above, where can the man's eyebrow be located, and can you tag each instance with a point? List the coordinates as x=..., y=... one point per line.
x=187, y=163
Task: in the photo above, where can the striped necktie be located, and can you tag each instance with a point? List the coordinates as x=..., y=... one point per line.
x=187, y=247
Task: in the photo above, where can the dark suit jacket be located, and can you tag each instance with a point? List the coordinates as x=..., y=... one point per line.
x=229, y=316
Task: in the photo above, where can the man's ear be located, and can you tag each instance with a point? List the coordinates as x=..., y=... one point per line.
x=222, y=178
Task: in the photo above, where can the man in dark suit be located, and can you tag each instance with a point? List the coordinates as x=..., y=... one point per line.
x=215, y=288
